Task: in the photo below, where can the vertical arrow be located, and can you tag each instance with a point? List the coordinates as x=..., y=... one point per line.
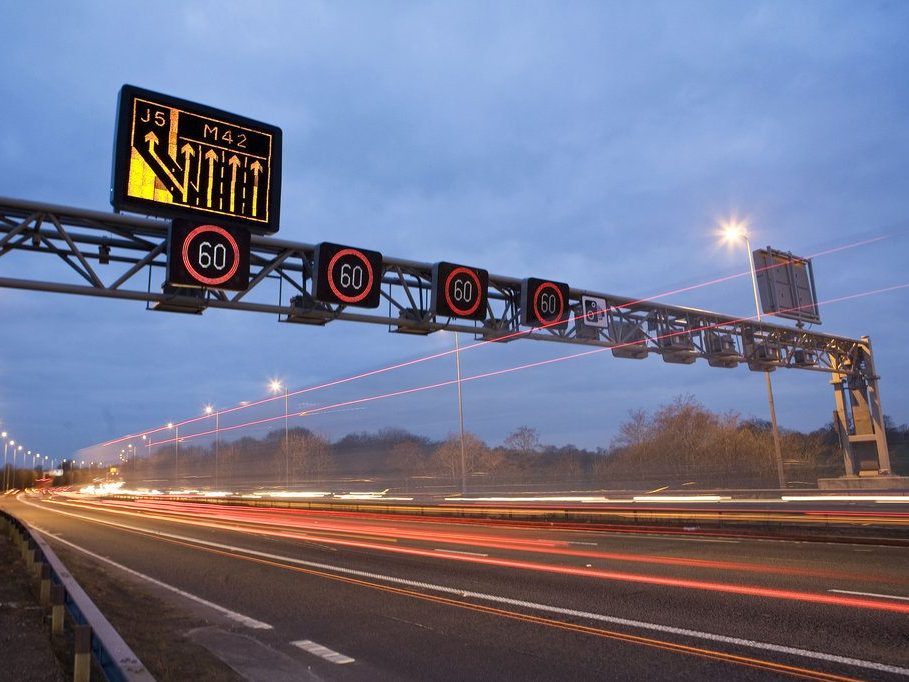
x=256, y=168
x=211, y=157
x=188, y=152
x=152, y=140
x=233, y=162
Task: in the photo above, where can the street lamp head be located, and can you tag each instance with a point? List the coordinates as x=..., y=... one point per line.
x=3, y=435
x=275, y=386
x=170, y=425
x=209, y=409
x=733, y=230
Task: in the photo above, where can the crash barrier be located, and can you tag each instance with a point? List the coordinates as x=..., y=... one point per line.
x=94, y=638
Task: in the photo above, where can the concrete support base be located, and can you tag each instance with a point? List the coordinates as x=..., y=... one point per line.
x=864, y=483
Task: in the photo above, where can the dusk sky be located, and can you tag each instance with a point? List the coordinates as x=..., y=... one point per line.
x=599, y=144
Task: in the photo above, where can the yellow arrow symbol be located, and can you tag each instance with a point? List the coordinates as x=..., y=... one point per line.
x=211, y=156
x=152, y=140
x=233, y=162
x=256, y=168
x=188, y=152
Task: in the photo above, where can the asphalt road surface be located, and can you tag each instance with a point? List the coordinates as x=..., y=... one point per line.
x=315, y=594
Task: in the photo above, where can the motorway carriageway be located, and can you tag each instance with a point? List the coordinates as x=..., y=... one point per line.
x=356, y=595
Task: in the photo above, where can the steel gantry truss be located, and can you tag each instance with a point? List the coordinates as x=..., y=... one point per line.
x=131, y=251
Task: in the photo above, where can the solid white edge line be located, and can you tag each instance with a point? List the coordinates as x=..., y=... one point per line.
x=458, y=551
x=871, y=594
x=233, y=615
x=322, y=651
x=614, y=620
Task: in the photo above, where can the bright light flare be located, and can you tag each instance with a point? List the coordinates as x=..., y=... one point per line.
x=733, y=230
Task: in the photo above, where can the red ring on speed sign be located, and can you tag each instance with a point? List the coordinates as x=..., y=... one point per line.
x=331, y=279
x=211, y=281
x=536, y=302
x=462, y=311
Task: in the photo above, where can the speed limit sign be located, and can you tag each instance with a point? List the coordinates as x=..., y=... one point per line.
x=459, y=291
x=347, y=275
x=209, y=256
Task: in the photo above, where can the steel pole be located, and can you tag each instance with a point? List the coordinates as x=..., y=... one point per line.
x=217, y=442
x=5, y=463
x=286, y=443
x=461, y=415
x=777, y=449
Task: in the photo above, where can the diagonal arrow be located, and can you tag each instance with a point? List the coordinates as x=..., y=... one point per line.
x=152, y=140
x=211, y=157
x=234, y=163
x=256, y=168
x=188, y=152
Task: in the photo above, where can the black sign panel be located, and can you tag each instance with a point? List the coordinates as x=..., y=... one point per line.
x=208, y=256
x=459, y=291
x=347, y=275
x=544, y=303
x=178, y=159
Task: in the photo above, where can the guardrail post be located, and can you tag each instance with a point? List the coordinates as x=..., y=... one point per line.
x=57, y=594
x=44, y=593
x=39, y=564
x=29, y=556
x=82, y=665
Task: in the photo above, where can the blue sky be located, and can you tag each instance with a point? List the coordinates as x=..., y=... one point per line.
x=594, y=143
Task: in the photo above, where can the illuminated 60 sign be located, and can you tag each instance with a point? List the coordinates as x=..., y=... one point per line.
x=347, y=275
x=544, y=303
x=208, y=256
x=459, y=291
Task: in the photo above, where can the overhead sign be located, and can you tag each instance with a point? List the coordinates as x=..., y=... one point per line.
x=594, y=312
x=459, y=291
x=207, y=256
x=786, y=285
x=347, y=275
x=178, y=159
x=544, y=303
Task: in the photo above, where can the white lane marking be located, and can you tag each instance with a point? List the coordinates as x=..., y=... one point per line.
x=588, y=544
x=614, y=620
x=322, y=651
x=233, y=615
x=871, y=594
x=673, y=538
x=458, y=551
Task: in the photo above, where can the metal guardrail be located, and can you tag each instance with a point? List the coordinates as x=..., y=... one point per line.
x=95, y=637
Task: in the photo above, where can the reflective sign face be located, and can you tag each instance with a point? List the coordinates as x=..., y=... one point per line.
x=182, y=160
x=347, y=275
x=207, y=256
x=594, y=312
x=544, y=303
x=459, y=291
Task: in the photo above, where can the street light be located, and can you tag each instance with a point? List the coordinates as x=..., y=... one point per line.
x=176, y=428
x=6, y=444
x=209, y=409
x=275, y=387
x=733, y=231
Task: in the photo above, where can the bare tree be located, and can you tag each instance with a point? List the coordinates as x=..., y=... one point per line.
x=524, y=439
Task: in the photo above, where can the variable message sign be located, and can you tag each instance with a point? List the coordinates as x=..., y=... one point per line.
x=459, y=291
x=544, y=303
x=178, y=159
x=347, y=275
x=207, y=256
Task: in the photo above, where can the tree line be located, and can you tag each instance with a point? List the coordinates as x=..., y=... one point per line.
x=679, y=444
